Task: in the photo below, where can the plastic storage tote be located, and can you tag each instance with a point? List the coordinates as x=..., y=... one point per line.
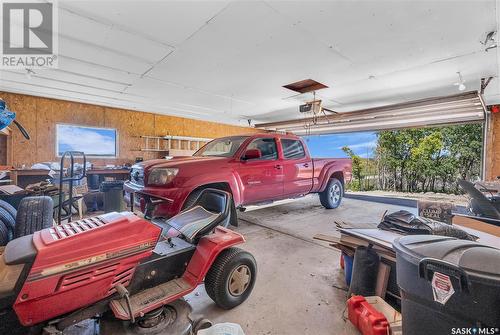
x=447, y=284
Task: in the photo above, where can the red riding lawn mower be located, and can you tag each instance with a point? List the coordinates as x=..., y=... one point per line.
x=129, y=273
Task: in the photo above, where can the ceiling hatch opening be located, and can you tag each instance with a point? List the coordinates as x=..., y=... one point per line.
x=306, y=85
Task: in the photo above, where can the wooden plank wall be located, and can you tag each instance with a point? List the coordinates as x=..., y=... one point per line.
x=40, y=116
x=493, y=149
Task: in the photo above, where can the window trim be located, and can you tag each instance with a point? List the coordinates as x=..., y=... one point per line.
x=260, y=159
x=293, y=158
x=117, y=139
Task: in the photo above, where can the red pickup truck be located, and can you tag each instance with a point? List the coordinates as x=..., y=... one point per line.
x=255, y=169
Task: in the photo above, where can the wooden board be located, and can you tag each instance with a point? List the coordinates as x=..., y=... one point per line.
x=469, y=222
x=382, y=238
x=384, y=271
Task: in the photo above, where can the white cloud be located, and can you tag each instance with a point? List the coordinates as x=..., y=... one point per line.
x=90, y=141
x=369, y=145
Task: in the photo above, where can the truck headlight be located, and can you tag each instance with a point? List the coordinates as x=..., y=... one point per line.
x=162, y=176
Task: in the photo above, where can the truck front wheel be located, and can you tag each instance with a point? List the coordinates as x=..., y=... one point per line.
x=332, y=195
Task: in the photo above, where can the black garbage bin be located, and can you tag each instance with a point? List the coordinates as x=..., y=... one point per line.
x=447, y=285
x=113, y=195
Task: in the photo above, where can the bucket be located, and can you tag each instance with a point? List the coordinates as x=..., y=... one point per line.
x=348, y=260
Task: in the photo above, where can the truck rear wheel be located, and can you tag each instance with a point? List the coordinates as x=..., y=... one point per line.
x=332, y=195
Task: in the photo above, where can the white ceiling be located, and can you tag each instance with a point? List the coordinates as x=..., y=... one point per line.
x=227, y=61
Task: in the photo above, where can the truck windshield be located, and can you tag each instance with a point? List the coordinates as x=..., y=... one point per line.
x=222, y=147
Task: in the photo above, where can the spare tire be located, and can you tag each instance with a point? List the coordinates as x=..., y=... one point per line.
x=9, y=222
x=33, y=214
x=4, y=234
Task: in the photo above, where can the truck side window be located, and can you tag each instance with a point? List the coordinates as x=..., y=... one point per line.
x=267, y=147
x=292, y=149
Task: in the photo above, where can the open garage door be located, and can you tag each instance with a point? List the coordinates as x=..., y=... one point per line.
x=455, y=109
x=461, y=108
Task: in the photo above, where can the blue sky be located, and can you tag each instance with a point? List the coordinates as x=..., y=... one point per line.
x=92, y=141
x=362, y=144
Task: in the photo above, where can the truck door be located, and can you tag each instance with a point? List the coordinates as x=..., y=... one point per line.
x=262, y=177
x=297, y=168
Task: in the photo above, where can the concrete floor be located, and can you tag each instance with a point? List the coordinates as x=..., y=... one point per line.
x=300, y=288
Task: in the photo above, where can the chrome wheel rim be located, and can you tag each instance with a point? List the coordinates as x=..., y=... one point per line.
x=239, y=280
x=335, y=193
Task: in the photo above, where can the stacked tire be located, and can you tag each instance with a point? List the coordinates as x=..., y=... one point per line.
x=34, y=213
x=7, y=222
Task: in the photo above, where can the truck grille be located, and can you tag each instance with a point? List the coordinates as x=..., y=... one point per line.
x=137, y=176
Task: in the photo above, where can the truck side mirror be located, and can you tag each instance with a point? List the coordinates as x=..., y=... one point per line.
x=252, y=154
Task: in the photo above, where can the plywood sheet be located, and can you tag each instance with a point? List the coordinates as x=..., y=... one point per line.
x=25, y=108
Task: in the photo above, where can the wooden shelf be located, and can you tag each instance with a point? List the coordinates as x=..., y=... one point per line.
x=155, y=150
x=164, y=143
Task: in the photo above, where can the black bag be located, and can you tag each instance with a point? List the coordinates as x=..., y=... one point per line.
x=365, y=270
x=410, y=224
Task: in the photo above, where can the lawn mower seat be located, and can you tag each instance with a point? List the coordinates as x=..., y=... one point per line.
x=210, y=209
x=20, y=251
x=17, y=255
x=480, y=204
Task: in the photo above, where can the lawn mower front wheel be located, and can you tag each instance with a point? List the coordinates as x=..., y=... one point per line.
x=231, y=278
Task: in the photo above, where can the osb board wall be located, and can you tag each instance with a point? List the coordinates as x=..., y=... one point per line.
x=40, y=116
x=3, y=148
x=493, y=149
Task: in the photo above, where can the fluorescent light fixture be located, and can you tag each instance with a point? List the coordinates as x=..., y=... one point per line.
x=455, y=109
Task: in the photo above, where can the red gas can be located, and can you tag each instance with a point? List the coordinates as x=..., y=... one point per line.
x=366, y=318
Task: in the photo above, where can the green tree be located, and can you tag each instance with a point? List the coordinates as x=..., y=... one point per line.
x=465, y=143
x=357, y=165
x=428, y=159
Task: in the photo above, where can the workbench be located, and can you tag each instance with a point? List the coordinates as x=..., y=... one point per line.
x=24, y=177
x=118, y=173
x=96, y=176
